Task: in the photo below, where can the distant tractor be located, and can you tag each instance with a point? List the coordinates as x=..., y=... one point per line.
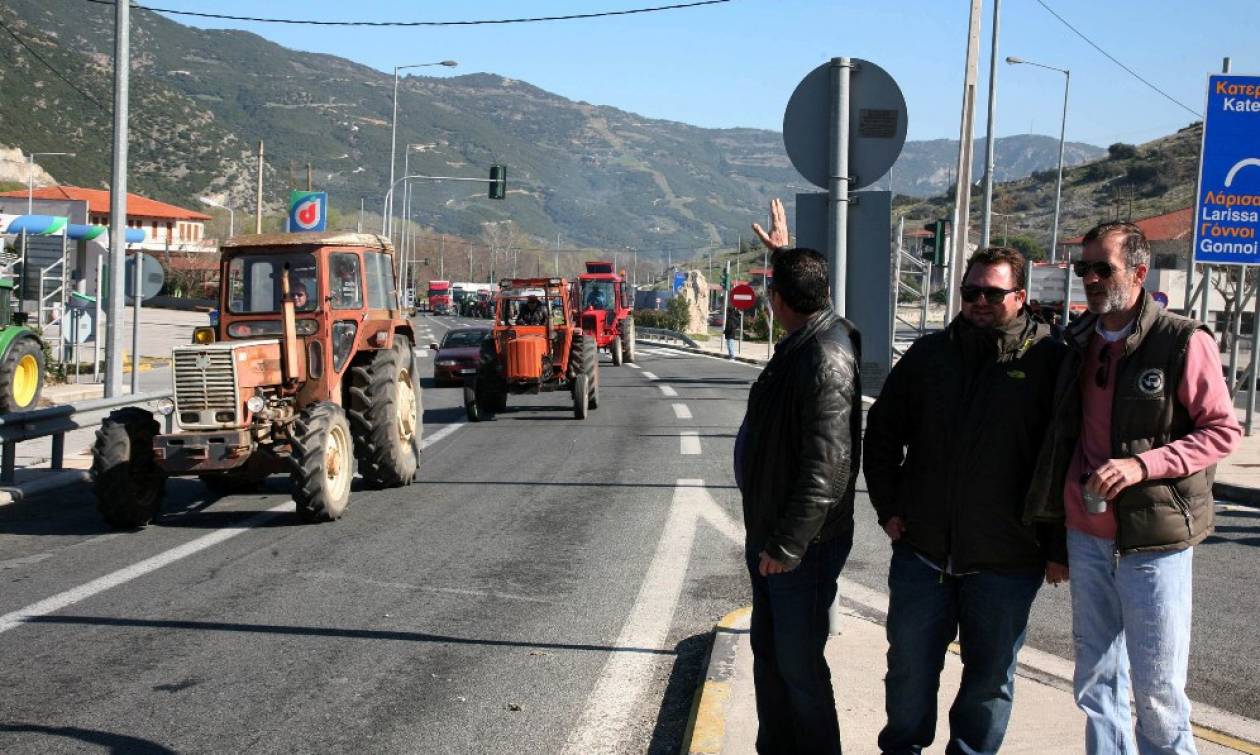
x=605, y=306
x=310, y=370
x=536, y=345
x=21, y=357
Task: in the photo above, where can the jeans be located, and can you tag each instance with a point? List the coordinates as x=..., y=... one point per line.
x=796, y=708
x=1131, y=621
x=989, y=612
x=730, y=347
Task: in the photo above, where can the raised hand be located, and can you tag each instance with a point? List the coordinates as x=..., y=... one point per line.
x=777, y=238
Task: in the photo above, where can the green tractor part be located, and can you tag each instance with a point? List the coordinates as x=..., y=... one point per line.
x=21, y=358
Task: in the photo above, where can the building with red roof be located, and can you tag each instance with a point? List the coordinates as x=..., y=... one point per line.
x=166, y=227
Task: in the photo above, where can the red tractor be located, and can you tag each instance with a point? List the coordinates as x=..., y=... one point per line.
x=310, y=370
x=606, y=303
x=536, y=345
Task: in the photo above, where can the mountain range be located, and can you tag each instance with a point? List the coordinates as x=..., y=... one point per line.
x=594, y=175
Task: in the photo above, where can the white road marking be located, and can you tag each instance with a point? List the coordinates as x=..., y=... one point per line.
x=668, y=390
x=74, y=595
x=689, y=443
x=649, y=375
x=633, y=366
x=423, y=353
x=607, y=718
x=681, y=411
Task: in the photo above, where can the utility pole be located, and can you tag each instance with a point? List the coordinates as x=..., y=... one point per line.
x=258, y=197
x=557, y=273
x=966, y=146
x=309, y=178
x=118, y=201
x=359, y=228
x=990, y=132
x=441, y=258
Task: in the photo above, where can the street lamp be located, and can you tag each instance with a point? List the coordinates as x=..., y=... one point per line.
x=231, y=214
x=1058, y=186
x=393, y=132
x=30, y=177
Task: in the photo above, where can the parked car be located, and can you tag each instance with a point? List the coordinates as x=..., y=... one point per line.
x=458, y=356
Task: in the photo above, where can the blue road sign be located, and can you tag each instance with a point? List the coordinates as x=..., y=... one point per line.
x=1227, y=214
x=308, y=210
x=680, y=280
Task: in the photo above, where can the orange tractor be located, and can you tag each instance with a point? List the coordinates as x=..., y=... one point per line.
x=536, y=345
x=605, y=304
x=310, y=370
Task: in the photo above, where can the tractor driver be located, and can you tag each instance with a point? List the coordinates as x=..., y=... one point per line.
x=533, y=313
x=597, y=298
x=300, y=298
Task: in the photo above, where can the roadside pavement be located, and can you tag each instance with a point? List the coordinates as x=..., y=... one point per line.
x=1044, y=721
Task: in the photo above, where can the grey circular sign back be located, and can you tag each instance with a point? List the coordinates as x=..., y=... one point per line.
x=877, y=124
x=152, y=276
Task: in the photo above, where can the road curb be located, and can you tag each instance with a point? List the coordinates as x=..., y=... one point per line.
x=703, y=352
x=706, y=726
x=42, y=484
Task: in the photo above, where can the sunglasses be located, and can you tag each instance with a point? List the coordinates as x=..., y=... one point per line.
x=1102, y=269
x=991, y=294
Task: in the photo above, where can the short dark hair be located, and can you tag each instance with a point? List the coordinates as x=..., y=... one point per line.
x=800, y=277
x=1137, y=250
x=999, y=255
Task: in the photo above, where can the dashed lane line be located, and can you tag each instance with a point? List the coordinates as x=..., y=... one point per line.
x=689, y=443
x=668, y=390
x=649, y=375
x=74, y=595
x=681, y=411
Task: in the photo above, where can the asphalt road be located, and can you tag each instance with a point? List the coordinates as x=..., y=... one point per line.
x=547, y=587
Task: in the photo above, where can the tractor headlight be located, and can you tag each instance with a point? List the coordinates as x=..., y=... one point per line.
x=165, y=407
x=203, y=335
x=256, y=404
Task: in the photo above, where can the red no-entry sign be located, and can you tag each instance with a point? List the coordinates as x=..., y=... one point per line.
x=743, y=296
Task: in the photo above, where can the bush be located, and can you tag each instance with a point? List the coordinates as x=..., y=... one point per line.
x=1140, y=174
x=678, y=314
x=1027, y=246
x=1121, y=151
x=651, y=318
x=755, y=327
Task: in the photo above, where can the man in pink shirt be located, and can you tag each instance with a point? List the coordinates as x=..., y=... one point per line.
x=1142, y=416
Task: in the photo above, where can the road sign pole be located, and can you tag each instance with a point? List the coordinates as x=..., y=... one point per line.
x=1255, y=362
x=137, y=290
x=838, y=190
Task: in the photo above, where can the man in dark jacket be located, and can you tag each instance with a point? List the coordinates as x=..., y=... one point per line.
x=796, y=461
x=950, y=445
x=1142, y=416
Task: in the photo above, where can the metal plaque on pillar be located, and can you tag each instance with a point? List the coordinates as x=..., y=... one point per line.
x=869, y=271
x=877, y=124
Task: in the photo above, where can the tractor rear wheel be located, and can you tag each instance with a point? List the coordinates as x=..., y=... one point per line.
x=470, y=404
x=616, y=352
x=627, y=339
x=126, y=478
x=21, y=375
x=595, y=389
x=384, y=417
x=321, y=464
x=581, y=395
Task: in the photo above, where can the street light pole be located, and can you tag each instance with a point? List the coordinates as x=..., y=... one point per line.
x=118, y=201
x=231, y=214
x=393, y=136
x=30, y=178
x=1058, y=186
x=990, y=136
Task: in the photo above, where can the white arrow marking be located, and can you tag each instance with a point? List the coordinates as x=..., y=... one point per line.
x=607, y=717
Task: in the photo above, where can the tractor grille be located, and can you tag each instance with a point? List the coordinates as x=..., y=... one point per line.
x=205, y=387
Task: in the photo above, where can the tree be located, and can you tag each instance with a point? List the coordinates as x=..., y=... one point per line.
x=678, y=314
x=1027, y=246
x=1121, y=151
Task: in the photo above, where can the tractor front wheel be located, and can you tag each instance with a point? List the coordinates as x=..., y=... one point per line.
x=321, y=463
x=627, y=339
x=126, y=478
x=384, y=416
x=616, y=352
x=21, y=375
x=581, y=395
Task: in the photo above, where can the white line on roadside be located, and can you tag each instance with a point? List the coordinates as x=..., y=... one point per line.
x=668, y=390
x=153, y=563
x=681, y=411
x=689, y=443
x=649, y=375
x=609, y=715
x=634, y=366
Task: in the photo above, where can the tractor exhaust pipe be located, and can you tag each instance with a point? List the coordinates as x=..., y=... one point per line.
x=289, y=356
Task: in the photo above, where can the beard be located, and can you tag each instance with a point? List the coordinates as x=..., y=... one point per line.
x=1117, y=300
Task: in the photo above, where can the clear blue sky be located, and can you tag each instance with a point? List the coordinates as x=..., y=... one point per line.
x=736, y=64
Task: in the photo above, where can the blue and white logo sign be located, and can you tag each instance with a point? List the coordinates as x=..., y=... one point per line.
x=680, y=280
x=1227, y=215
x=308, y=210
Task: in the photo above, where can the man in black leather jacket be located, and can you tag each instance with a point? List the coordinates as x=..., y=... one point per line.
x=796, y=461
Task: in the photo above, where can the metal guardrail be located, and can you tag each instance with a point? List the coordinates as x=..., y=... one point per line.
x=663, y=334
x=56, y=421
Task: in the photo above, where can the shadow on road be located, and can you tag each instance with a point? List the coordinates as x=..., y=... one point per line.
x=115, y=743
x=391, y=635
x=675, y=710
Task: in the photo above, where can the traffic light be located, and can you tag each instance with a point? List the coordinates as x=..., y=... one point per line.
x=726, y=279
x=498, y=181
x=934, y=245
